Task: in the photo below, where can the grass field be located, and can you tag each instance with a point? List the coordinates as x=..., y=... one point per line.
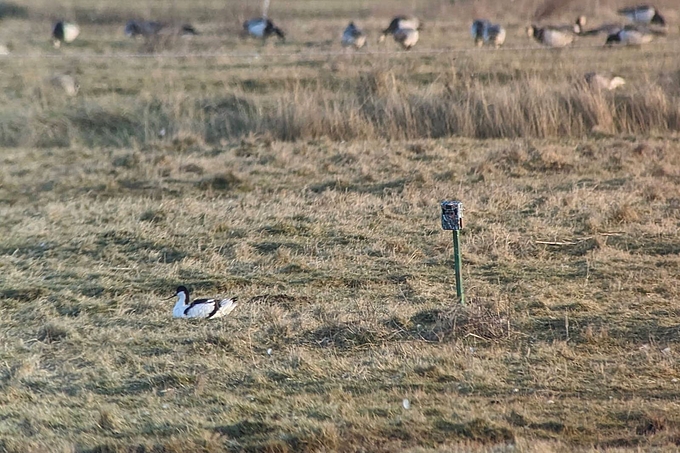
x=306, y=181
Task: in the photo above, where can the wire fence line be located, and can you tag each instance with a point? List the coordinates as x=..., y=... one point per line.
x=669, y=48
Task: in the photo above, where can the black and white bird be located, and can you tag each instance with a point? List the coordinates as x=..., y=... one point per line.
x=557, y=35
x=404, y=30
x=643, y=14
x=64, y=32
x=201, y=308
x=263, y=28
x=353, y=36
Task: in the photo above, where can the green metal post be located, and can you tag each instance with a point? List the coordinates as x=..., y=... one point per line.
x=459, y=266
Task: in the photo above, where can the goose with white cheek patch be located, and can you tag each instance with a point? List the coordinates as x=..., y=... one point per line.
x=201, y=308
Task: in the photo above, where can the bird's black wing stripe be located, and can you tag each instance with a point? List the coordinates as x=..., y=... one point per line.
x=196, y=302
x=215, y=310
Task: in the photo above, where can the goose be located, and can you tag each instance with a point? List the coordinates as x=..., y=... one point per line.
x=262, y=27
x=201, y=308
x=353, y=37
x=494, y=34
x=64, y=31
x=643, y=14
x=632, y=35
x=557, y=35
x=404, y=30
x=603, y=82
x=477, y=30
x=551, y=36
x=148, y=28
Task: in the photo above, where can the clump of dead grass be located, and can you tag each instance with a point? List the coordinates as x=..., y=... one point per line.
x=477, y=320
x=372, y=104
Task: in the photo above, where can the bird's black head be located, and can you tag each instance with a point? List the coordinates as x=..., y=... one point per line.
x=394, y=25
x=58, y=30
x=612, y=39
x=182, y=289
x=658, y=19
x=132, y=29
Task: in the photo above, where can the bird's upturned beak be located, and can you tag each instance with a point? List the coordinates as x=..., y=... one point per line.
x=171, y=297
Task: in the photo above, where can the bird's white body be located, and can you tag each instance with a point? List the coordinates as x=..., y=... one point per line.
x=71, y=32
x=407, y=37
x=409, y=23
x=64, y=32
x=642, y=14
x=202, y=308
x=256, y=27
x=551, y=36
x=635, y=37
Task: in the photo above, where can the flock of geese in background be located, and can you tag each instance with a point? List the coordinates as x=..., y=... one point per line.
x=644, y=24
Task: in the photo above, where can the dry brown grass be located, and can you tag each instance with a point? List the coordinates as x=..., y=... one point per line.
x=336, y=253
x=309, y=188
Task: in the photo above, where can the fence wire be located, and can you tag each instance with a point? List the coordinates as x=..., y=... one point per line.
x=668, y=48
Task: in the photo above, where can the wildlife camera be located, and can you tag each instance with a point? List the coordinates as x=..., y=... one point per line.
x=452, y=215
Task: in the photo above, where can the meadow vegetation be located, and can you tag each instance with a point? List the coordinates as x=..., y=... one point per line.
x=306, y=181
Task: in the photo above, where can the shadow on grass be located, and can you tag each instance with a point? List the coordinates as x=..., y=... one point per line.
x=434, y=325
x=395, y=186
x=624, y=332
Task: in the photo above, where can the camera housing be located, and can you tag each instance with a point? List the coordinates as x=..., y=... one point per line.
x=452, y=215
